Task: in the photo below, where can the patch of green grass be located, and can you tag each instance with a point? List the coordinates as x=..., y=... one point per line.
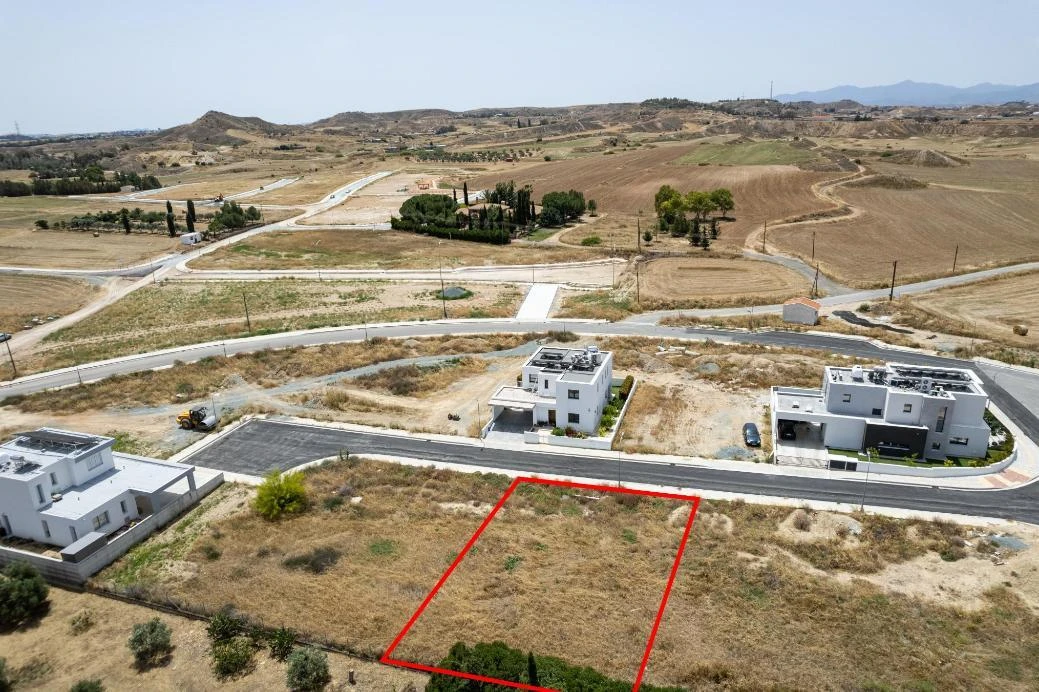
x=512, y=562
x=628, y=536
x=591, y=241
x=609, y=305
x=769, y=152
x=127, y=442
x=542, y=234
x=1006, y=668
x=382, y=548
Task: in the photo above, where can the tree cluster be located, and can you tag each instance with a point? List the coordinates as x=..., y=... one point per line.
x=438, y=216
x=498, y=660
x=231, y=215
x=672, y=206
x=23, y=594
x=559, y=207
x=481, y=156
x=91, y=181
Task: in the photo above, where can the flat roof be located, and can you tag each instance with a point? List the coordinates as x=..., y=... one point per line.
x=517, y=397
x=130, y=474
x=28, y=454
x=569, y=361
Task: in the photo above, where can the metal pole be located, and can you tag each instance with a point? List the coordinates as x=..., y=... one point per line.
x=813, y=247
x=440, y=264
x=955, y=255
x=10, y=355
x=638, y=295
x=862, y=501
x=894, y=268
x=764, y=234
x=638, y=230
x=248, y=323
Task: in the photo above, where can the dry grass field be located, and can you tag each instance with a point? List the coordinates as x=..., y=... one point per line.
x=357, y=563
x=23, y=245
x=49, y=656
x=680, y=279
x=989, y=309
x=365, y=249
x=177, y=313
x=625, y=183
x=988, y=208
x=25, y=297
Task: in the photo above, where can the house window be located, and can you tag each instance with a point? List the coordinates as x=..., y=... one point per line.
x=46, y=530
x=936, y=445
x=907, y=408
x=122, y=506
x=101, y=520
x=54, y=478
x=546, y=384
x=958, y=440
x=846, y=398
x=72, y=530
x=573, y=394
x=39, y=492
x=532, y=378
x=573, y=418
x=94, y=461
x=940, y=424
x=878, y=412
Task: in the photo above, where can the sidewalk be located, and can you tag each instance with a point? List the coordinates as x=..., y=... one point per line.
x=538, y=302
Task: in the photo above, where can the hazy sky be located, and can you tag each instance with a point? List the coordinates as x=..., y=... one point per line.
x=89, y=66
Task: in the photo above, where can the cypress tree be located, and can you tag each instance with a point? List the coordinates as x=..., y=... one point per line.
x=169, y=207
x=465, y=192
x=124, y=216
x=454, y=195
x=170, y=225
x=191, y=211
x=532, y=670
x=191, y=224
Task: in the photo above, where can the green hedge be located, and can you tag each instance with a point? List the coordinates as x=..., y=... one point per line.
x=492, y=236
x=626, y=386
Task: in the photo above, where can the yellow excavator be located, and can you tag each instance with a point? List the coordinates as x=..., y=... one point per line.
x=198, y=418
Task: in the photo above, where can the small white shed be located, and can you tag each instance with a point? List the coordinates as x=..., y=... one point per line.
x=190, y=238
x=801, y=311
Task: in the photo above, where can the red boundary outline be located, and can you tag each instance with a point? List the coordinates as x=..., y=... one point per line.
x=387, y=659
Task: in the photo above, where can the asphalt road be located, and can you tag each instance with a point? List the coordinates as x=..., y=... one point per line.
x=1021, y=414
x=260, y=446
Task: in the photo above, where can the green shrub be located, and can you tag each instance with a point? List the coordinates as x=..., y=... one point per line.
x=280, y=494
x=512, y=562
x=591, y=241
x=308, y=670
x=281, y=642
x=5, y=678
x=332, y=503
x=232, y=658
x=150, y=643
x=558, y=432
x=81, y=622
x=23, y=594
x=225, y=626
x=626, y=386
x=562, y=337
x=93, y=685
x=210, y=552
x=317, y=561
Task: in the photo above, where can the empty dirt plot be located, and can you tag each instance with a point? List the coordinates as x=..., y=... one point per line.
x=990, y=308
x=989, y=209
x=178, y=313
x=750, y=153
x=357, y=563
x=25, y=297
x=22, y=245
x=369, y=249
x=717, y=281
x=624, y=183
x=375, y=203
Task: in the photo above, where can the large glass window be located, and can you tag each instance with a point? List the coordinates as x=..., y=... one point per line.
x=573, y=418
x=101, y=520
x=573, y=394
x=940, y=425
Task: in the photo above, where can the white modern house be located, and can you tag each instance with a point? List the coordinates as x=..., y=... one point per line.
x=564, y=387
x=899, y=410
x=64, y=488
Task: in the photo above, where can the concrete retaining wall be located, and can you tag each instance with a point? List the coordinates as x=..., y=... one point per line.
x=547, y=438
x=59, y=572
x=934, y=472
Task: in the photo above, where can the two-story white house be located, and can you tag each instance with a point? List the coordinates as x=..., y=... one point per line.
x=898, y=409
x=59, y=487
x=564, y=387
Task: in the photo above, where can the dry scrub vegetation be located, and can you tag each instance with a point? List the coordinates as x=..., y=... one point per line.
x=579, y=577
x=178, y=313
x=263, y=369
x=774, y=321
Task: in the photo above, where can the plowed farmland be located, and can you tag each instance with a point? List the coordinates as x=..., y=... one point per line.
x=989, y=209
x=622, y=184
x=679, y=278
x=25, y=297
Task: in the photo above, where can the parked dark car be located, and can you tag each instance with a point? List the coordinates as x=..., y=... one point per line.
x=786, y=430
x=751, y=436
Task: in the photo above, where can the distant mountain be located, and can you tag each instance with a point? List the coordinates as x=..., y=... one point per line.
x=213, y=127
x=910, y=93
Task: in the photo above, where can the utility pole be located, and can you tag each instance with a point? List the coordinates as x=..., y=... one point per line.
x=955, y=255
x=6, y=338
x=894, y=268
x=764, y=234
x=815, y=284
x=865, y=484
x=638, y=231
x=813, y=249
x=638, y=295
x=248, y=323
x=440, y=264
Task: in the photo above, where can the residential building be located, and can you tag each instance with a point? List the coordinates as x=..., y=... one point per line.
x=564, y=387
x=60, y=487
x=801, y=311
x=900, y=410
